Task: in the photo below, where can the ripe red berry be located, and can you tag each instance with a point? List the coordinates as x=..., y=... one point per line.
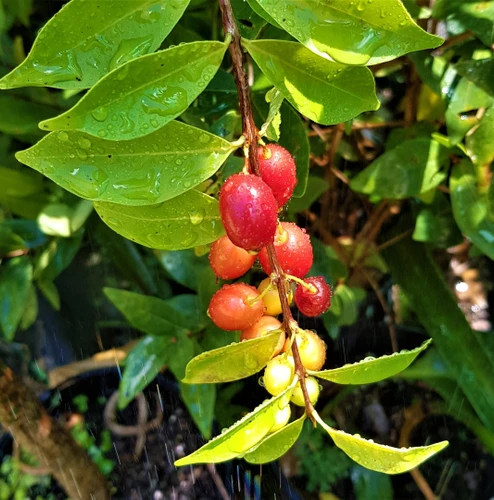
x=248, y=211
x=313, y=303
x=229, y=261
x=278, y=171
x=294, y=251
x=233, y=307
x=264, y=326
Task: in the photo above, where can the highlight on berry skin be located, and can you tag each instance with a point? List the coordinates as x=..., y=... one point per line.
x=314, y=298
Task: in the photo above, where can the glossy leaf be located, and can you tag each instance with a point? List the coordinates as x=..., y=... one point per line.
x=150, y=315
x=188, y=220
x=241, y=436
x=88, y=38
x=324, y=91
x=316, y=186
x=58, y=219
x=470, y=207
x=480, y=72
x=184, y=267
x=233, y=362
x=370, y=369
x=15, y=283
x=144, y=94
x=413, y=167
x=271, y=127
x=200, y=400
x=369, y=485
x=436, y=308
x=248, y=21
x=275, y=445
x=480, y=143
x=254, y=5
x=142, y=364
x=358, y=32
x=50, y=292
x=490, y=201
x=382, y=458
x=143, y=171
x=187, y=308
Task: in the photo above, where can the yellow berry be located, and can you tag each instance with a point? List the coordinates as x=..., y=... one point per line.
x=281, y=418
x=312, y=349
x=278, y=375
x=272, y=299
x=313, y=390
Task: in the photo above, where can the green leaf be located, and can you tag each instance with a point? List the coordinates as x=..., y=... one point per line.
x=142, y=364
x=188, y=220
x=144, y=94
x=142, y=171
x=271, y=127
x=369, y=485
x=490, y=202
x=470, y=207
x=248, y=21
x=371, y=370
x=187, y=308
x=316, y=186
x=49, y=290
x=233, y=362
x=200, y=400
x=324, y=91
x=480, y=72
x=326, y=263
x=480, y=143
x=411, y=168
x=254, y=5
x=361, y=32
x=15, y=283
x=9, y=241
x=436, y=308
x=88, y=38
x=241, y=436
x=382, y=458
x=273, y=446
x=150, y=315
x=58, y=219
x=31, y=311
x=184, y=267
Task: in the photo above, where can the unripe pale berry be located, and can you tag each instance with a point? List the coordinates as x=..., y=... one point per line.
x=281, y=418
x=311, y=348
x=229, y=261
x=278, y=375
x=293, y=249
x=248, y=211
x=278, y=171
x=272, y=299
x=313, y=389
x=233, y=307
x=264, y=326
x=313, y=303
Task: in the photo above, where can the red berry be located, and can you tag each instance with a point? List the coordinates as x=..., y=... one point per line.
x=313, y=303
x=294, y=251
x=232, y=307
x=248, y=211
x=229, y=261
x=278, y=171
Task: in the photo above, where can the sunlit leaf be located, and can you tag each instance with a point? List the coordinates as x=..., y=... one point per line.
x=248, y=21
x=324, y=91
x=271, y=127
x=186, y=221
x=144, y=94
x=470, y=207
x=413, y=167
x=200, y=400
x=142, y=171
x=233, y=362
x=372, y=370
x=15, y=283
x=273, y=446
x=480, y=72
x=359, y=32
x=58, y=219
x=480, y=143
x=88, y=38
x=240, y=437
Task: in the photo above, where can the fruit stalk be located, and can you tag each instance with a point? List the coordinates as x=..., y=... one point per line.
x=251, y=135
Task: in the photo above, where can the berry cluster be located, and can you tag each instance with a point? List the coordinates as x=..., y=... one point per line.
x=249, y=206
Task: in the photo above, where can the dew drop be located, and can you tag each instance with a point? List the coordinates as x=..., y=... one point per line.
x=63, y=136
x=197, y=216
x=100, y=114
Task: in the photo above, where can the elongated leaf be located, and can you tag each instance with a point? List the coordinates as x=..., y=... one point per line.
x=88, y=38
x=200, y=400
x=369, y=485
x=9, y=241
x=372, y=370
x=15, y=282
x=411, y=168
x=144, y=94
x=271, y=127
x=436, y=308
x=490, y=202
x=58, y=219
x=150, y=315
x=275, y=445
x=142, y=171
x=382, y=458
x=188, y=220
x=480, y=143
x=324, y=91
x=233, y=362
x=241, y=436
x=470, y=207
x=142, y=365
x=316, y=186
x=359, y=32
x=480, y=72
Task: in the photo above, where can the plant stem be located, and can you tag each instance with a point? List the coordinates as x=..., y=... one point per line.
x=50, y=443
x=251, y=138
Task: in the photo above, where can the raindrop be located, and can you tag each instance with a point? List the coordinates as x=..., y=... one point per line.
x=197, y=216
x=63, y=136
x=100, y=114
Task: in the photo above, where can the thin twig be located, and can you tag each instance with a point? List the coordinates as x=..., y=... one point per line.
x=251, y=138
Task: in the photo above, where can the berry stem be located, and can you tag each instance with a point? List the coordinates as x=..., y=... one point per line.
x=251, y=135
x=301, y=282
